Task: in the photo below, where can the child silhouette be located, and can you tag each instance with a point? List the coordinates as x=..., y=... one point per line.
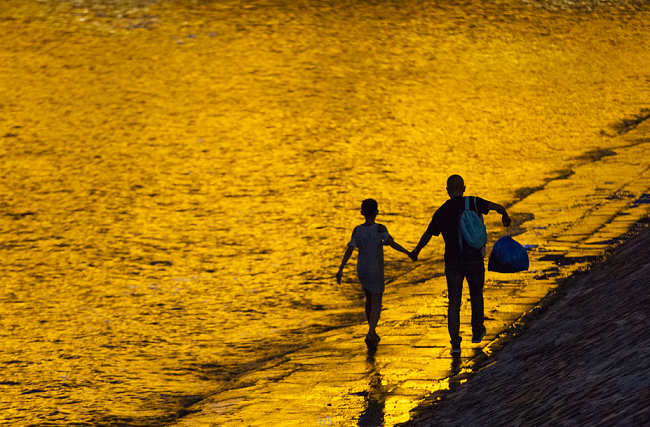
x=370, y=238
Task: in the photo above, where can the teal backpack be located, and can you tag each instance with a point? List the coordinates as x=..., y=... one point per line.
x=471, y=228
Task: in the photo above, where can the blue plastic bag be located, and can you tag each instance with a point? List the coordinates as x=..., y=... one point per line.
x=508, y=256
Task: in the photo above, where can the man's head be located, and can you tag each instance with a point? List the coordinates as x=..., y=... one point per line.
x=369, y=208
x=455, y=186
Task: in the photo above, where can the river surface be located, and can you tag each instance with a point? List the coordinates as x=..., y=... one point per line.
x=179, y=179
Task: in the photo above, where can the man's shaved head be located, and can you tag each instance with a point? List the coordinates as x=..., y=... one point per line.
x=455, y=183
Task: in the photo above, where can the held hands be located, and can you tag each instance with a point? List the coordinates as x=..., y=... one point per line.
x=413, y=255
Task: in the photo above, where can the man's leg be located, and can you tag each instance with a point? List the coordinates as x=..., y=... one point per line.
x=475, y=274
x=455, y=292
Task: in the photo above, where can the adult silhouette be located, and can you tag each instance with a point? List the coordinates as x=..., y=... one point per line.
x=461, y=261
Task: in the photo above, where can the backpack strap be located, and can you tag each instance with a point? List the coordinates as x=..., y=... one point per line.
x=460, y=232
x=480, y=215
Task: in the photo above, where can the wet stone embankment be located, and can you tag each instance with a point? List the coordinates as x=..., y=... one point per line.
x=583, y=362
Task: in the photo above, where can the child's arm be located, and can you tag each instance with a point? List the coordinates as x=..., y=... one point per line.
x=346, y=257
x=393, y=244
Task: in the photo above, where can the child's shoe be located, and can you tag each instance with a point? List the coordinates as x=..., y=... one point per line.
x=371, y=342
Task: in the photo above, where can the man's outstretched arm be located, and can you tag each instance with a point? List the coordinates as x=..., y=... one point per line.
x=424, y=240
x=500, y=209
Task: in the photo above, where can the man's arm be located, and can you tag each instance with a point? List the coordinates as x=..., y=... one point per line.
x=346, y=257
x=500, y=209
x=424, y=240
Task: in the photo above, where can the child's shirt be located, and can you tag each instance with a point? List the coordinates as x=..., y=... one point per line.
x=370, y=239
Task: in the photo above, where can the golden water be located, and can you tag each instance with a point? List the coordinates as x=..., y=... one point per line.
x=179, y=179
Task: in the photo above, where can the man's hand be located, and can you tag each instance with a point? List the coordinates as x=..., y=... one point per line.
x=500, y=209
x=414, y=255
x=339, y=276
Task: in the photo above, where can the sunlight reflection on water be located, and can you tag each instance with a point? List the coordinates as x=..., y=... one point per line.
x=178, y=196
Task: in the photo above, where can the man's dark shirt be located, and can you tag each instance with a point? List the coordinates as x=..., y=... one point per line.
x=446, y=221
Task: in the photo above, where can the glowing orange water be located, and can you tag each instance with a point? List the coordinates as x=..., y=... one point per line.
x=179, y=181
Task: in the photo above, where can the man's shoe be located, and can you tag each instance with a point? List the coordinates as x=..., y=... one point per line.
x=477, y=338
x=455, y=349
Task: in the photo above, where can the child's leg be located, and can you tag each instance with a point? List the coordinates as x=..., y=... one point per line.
x=368, y=304
x=374, y=313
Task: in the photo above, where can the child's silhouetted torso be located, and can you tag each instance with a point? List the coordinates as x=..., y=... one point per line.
x=370, y=240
